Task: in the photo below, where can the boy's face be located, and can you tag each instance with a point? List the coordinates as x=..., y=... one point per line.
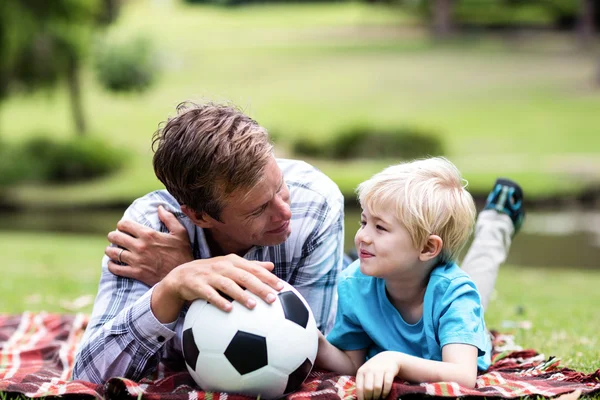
x=384, y=246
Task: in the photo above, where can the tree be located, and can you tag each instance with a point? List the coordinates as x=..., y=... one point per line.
x=42, y=44
x=586, y=28
x=442, y=18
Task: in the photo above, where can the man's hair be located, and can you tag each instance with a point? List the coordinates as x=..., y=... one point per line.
x=206, y=152
x=428, y=197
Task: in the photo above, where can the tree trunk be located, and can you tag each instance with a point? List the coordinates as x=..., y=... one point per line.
x=443, y=25
x=598, y=74
x=586, y=29
x=75, y=95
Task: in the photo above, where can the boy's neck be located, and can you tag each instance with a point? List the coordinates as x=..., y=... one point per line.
x=406, y=293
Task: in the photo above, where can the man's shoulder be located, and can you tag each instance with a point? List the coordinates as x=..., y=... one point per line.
x=306, y=181
x=144, y=210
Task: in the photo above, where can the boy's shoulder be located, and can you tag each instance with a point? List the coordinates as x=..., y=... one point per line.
x=449, y=275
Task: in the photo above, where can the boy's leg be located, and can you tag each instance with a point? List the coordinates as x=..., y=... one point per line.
x=496, y=225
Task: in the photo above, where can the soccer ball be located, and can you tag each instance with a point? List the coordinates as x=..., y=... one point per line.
x=267, y=351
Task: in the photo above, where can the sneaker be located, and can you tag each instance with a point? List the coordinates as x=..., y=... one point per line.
x=507, y=197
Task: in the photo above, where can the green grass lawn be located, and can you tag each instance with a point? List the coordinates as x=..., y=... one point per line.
x=44, y=270
x=524, y=108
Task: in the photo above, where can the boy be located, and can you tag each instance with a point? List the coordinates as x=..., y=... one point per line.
x=405, y=308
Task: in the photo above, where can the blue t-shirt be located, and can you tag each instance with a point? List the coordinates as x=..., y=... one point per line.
x=452, y=314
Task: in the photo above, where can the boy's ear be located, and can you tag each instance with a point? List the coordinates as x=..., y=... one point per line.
x=432, y=248
x=203, y=220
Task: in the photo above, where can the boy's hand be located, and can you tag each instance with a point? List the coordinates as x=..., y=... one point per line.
x=375, y=377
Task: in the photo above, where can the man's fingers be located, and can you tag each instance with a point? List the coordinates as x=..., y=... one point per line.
x=257, y=269
x=118, y=254
x=132, y=228
x=121, y=239
x=214, y=298
x=121, y=270
x=171, y=222
x=254, y=285
x=266, y=265
x=231, y=289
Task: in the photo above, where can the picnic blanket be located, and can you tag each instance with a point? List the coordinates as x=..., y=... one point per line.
x=37, y=352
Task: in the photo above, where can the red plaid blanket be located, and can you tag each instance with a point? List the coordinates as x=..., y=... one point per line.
x=37, y=350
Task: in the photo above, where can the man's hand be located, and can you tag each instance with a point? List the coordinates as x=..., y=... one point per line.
x=209, y=278
x=375, y=377
x=149, y=255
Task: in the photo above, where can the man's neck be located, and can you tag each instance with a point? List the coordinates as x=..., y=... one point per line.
x=221, y=247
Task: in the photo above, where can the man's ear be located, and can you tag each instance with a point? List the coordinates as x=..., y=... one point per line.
x=432, y=248
x=203, y=220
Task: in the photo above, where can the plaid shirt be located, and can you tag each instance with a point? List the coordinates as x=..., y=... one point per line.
x=124, y=338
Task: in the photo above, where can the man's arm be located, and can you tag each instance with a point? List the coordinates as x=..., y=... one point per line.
x=124, y=336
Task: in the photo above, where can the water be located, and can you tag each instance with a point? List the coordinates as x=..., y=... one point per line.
x=567, y=239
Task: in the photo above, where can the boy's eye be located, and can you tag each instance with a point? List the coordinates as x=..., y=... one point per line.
x=362, y=223
x=380, y=228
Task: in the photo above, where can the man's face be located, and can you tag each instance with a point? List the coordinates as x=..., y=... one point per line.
x=259, y=217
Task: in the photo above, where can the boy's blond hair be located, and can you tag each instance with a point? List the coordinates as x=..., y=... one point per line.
x=428, y=197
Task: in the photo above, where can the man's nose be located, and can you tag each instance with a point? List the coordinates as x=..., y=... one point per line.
x=283, y=210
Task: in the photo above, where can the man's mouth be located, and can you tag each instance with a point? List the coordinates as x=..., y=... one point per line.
x=282, y=228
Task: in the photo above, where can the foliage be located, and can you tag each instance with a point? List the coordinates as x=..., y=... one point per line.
x=44, y=160
x=486, y=96
x=126, y=65
x=39, y=39
x=11, y=168
x=368, y=142
x=506, y=13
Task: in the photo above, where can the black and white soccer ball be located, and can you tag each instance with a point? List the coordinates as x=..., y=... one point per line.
x=268, y=351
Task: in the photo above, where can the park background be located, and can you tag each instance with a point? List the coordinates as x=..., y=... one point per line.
x=500, y=87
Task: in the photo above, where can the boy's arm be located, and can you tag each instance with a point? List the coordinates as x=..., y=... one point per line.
x=333, y=359
x=374, y=379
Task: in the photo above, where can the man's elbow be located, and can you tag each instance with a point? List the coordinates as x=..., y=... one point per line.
x=83, y=371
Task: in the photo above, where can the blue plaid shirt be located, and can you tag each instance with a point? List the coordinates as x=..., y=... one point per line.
x=123, y=338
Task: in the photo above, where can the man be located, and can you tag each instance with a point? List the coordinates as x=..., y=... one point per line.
x=234, y=199
x=240, y=218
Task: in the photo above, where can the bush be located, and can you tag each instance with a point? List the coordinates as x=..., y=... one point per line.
x=12, y=166
x=365, y=142
x=126, y=65
x=310, y=148
x=44, y=160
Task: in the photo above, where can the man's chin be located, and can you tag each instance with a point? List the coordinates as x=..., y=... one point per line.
x=276, y=239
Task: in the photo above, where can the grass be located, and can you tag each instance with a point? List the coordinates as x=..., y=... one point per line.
x=47, y=270
x=524, y=108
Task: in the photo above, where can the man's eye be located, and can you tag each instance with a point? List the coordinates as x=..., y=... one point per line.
x=259, y=211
